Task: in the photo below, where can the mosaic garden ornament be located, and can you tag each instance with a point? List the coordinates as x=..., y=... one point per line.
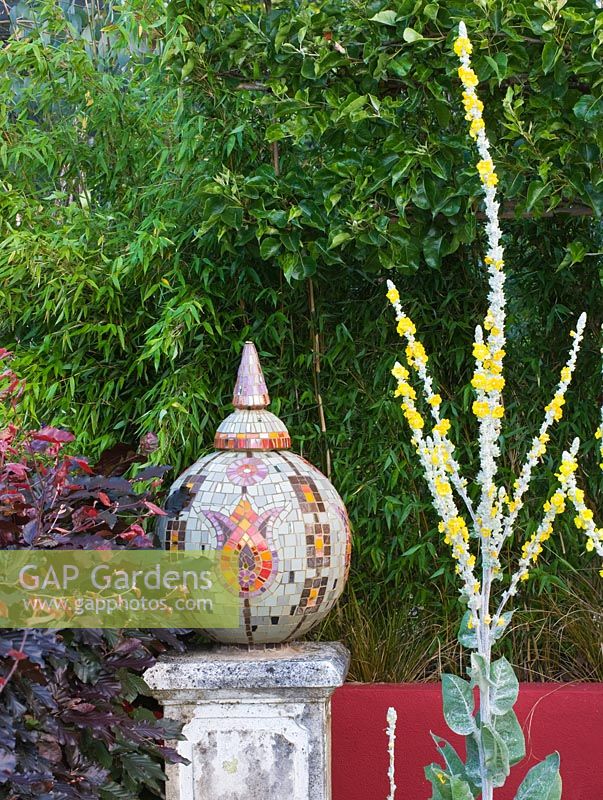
x=280, y=525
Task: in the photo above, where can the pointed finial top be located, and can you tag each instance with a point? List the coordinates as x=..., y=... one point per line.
x=250, y=390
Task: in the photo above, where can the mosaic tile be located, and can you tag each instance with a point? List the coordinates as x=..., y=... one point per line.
x=279, y=524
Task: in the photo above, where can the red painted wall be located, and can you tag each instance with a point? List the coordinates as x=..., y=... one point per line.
x=567, y=718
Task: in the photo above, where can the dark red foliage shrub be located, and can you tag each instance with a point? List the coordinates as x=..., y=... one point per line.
x=71, y=722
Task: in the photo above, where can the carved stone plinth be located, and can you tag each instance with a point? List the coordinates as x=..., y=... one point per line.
x=257, y=721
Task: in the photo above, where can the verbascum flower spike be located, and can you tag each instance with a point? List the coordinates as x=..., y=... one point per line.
x=489, y=353
x=433, y=458
x=584, y=519
x=392, y=718
x=417, y=359
x=553, y=413
x=532, y=549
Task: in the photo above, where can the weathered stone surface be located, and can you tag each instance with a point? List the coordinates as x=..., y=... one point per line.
x=297, y=665
x=257, y=722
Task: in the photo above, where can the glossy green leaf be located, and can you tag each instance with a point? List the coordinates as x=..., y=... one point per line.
x=269, y=247
x=411, y=35
x=589, y=108
x=550, y=53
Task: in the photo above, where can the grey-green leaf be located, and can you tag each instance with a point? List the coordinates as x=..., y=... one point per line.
x=440, y=782
x=472, y=766
x=480, y=671
x=467, y=636
x=458, y=704
x=543, y=782
x=505, y=686
x=460, y=789
x=509, y=730
x=498, y=631
x=496, y=755
x=453, y=761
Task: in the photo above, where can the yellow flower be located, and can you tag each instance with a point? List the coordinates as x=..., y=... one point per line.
x=568, y=466
x=406, y=326
x=414, y=419
x=480, y=351
x=556, y=406
x=416, y=352
x=393, y=295
x=467, y=76
x=476, y=126
x=405, y=390
x=546, y=533
x=461, y=44
x=566, y=374
x=442, y=487
x=442, y=427
x=488, y=383
x=435, y=400
x=471, y=102
x=558, y=502
x=400, y=372
x=484, y=167
x=481, y=409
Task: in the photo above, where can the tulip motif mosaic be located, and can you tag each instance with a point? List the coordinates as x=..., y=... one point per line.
x=279, y=524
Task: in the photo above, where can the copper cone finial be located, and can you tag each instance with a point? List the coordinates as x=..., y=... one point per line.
x=250, y=390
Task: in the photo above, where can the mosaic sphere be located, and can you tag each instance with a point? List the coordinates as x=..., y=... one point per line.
x=279, y=519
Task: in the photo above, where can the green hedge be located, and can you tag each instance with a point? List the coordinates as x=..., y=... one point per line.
x=173, y=185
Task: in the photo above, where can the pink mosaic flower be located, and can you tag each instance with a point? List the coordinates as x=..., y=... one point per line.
x=247, y=471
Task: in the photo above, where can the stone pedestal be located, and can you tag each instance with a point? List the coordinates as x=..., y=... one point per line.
x=257, y=721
